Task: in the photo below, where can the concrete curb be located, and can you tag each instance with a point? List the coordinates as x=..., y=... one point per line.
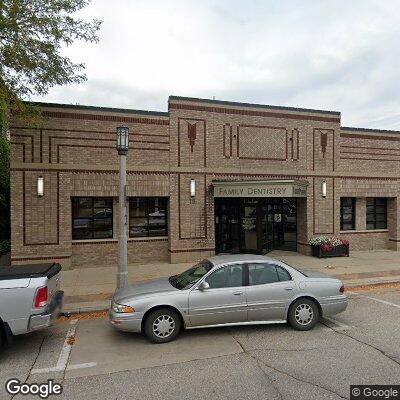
x=374, y=283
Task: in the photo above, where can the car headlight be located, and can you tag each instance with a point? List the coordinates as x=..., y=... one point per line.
x=121, y=308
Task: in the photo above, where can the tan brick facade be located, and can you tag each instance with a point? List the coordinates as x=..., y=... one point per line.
x=199, y=140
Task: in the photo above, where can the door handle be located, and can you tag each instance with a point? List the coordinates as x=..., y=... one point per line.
x=237, y=293
x=288, y=288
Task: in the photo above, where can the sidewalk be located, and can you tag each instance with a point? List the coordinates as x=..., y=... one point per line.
x=89, y=289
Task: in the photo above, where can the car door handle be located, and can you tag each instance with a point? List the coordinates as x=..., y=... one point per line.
x=237, y=293
x=288, y=288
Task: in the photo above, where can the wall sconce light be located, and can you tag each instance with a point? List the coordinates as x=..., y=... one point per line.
x=192, y=188
x=323, y=188
x=40, y=186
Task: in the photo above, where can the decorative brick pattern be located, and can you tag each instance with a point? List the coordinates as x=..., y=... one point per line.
x=262, y=142
x=201, y=140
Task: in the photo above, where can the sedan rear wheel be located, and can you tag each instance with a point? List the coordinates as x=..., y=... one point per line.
x=162, y=325
x=303, y=314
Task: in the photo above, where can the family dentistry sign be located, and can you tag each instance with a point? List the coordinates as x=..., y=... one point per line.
x=272, y=188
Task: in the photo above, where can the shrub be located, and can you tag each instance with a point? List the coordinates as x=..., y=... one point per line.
x=5, y=247
x=331, y=242
x=327, y=247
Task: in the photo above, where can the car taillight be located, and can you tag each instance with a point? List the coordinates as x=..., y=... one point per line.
x=42, y=297
x=341, y=290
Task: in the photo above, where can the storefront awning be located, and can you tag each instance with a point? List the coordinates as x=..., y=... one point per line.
x=268, y=188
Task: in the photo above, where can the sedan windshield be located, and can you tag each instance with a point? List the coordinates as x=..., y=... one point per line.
x=187, y=279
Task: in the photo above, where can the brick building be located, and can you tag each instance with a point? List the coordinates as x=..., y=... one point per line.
x=203, y=178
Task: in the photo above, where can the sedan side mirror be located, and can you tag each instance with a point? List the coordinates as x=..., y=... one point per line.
x=204, y=286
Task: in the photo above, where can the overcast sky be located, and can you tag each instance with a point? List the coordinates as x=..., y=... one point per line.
x=334, y=55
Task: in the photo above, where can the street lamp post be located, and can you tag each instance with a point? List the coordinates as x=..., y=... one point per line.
x=122, y=147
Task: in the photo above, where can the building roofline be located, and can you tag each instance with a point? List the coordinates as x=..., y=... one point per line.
x=251, y=105
x=349, y=128
x=95, y=108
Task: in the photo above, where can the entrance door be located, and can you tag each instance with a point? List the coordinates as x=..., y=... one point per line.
x=278, y=224
x=249, y=224
x=289, y=210
x=227, y=231
x=260, y=225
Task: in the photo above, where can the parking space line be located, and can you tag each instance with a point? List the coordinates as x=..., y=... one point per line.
x=80, y=366
x=64, y=354
x=388, y=303
x=337, y=325
x=67, y=346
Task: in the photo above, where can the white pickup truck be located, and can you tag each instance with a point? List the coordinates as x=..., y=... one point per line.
x=30, y=298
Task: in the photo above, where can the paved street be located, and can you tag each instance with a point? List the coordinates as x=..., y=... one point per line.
x=93, y=361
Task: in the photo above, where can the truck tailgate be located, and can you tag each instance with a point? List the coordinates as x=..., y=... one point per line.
x=29, y=271
x=53, y=283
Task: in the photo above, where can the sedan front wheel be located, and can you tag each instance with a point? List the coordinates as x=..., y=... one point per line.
x=303, y=314
x=163, y=325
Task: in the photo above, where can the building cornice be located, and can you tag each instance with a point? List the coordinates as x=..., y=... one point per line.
x=368, y=130
x=100, y=109
x=249, y=105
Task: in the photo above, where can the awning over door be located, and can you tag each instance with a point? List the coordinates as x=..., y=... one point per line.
x=268, y=188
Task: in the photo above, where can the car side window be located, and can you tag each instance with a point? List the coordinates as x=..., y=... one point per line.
x=283, y=274
x=225, y=277
x=260, y=274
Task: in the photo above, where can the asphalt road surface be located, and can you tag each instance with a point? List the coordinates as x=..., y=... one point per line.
x=93, y=361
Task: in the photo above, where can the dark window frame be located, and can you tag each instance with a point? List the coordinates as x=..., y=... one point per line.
x=147, y=216
x=223, y=268
x=375, y=221
x=92, y=218
x=352, y=213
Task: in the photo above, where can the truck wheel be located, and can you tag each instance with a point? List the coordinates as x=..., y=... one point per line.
x=163, y=325
x=303, y=314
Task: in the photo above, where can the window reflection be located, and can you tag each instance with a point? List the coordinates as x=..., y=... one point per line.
x=148, y=216
x=92, y=218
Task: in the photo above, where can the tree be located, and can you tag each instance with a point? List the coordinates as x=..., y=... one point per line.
x=32, y=35
x=4, y=189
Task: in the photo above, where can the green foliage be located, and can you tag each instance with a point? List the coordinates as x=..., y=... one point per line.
x=32, y=34
x=4, y=188
x=5, y=247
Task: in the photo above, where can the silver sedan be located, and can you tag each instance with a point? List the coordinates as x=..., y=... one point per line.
x=227, y=290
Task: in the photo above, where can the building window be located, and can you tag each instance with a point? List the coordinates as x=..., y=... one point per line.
x=92, y=218
x=347, y=213
x=148, y=216
x=376, y=213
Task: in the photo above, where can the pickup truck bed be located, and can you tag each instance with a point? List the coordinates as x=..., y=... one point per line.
x=29, y=271
x=30, y=298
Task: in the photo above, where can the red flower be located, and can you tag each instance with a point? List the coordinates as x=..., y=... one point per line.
x=327, y=247
x=345, y=242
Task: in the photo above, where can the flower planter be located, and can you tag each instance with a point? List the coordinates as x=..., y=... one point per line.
x=336, y=251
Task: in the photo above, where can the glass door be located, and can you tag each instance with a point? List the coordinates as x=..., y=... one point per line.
x=249, y=228
x=244, y=225
x=278, y=221
x=226, y=227
x=267, y=231
x=289, y=207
